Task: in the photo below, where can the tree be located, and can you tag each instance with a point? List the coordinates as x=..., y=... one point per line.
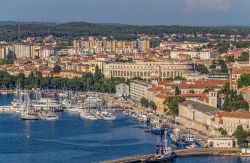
x=222, y=131
x=244, y=80
x=225, y=89
x=223, y=66
x=172, y=104
x=223, y=47
x=97, y=75
x=241, y=136
x=20, y=80
x=244, y=56
x=201, y=68
x=177, y=91
x=144, y=102
x=207, y=90
x=57, y=69
x=152, y=105
x=213, y=67
x=230, y=58
x=233, y=102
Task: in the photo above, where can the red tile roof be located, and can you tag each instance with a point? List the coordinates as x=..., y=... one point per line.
x=158, y=88
x=244, y=115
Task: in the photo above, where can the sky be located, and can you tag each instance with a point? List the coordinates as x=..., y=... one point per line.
x=140, y=12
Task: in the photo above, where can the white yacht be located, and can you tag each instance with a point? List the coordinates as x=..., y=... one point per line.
x=48, y=115
x=47, y=104
x=86, y=115
x=108, y=116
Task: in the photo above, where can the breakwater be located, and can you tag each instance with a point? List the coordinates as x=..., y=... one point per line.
x=234, y=152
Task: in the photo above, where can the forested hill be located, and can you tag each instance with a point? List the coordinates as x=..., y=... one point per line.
x=9, y=30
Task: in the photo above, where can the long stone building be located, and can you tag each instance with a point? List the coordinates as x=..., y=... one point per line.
x=146, y=70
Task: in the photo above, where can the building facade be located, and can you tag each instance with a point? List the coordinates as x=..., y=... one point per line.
x=122, y=90
x=138, y=90
x=196, y=115
x=146, y=70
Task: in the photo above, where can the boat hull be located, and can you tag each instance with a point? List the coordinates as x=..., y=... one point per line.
x=157, y=131
x=29, y=118
x=168, y=159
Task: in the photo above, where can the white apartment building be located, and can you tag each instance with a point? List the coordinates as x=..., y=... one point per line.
x=138, y=89
x=122, y=90
x=22, y=51
x=204, y=55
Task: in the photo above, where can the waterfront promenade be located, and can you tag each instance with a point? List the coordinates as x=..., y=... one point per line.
x=167, y=120
x=234, y=152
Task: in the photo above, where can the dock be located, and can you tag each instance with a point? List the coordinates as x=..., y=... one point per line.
x=232, y=152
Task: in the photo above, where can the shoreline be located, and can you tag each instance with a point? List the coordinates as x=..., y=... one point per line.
x=234, y=152
x=129, y=104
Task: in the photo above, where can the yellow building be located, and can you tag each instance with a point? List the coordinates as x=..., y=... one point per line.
x=2, y=53
x=113, y=46
x=123, y=44
x=147, y=44
x=91, y=44
x=85, y=68
x=70, y=74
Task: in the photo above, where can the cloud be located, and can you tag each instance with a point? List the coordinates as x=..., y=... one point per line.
x=219, y=5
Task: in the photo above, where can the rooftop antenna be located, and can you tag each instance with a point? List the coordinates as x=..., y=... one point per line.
x=48, y=31
x=19, y=32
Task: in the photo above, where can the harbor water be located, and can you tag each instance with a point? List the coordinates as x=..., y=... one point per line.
x=72, y=139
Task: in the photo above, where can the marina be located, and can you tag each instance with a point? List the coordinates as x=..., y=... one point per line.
x=94, y=108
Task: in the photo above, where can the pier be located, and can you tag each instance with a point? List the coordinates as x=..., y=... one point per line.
x=234, y=152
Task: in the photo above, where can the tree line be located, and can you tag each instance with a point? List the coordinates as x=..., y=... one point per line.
x=9, y=31
x=89, y=82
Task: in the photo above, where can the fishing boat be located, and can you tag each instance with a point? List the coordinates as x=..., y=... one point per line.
x=163, y=153
x=157, y=129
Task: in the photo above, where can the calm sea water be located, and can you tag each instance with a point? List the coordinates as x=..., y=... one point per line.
x=73, y=140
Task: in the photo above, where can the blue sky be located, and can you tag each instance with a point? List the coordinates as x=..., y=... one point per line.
x=146, y=12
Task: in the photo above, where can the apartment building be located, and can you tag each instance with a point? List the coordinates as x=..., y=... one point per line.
x=138, y=89
x=203, y=55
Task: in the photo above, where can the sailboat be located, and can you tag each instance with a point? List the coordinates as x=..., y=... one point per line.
x=29, y=112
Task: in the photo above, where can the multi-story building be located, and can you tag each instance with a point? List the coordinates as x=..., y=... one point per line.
x=2, y=53
x=122, y=90
x=46, y=51
x=203, y=55
x=138, y=89
x=196, y=115
x=218, y=76
x=239, y=68
x=231, y=120
x=146, y=70
x=22, y=51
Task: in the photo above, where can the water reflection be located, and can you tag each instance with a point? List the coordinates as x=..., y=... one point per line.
x=27, y=129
